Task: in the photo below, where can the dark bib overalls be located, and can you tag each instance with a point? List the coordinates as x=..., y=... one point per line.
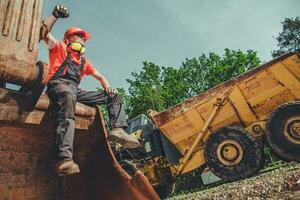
x=63, y=92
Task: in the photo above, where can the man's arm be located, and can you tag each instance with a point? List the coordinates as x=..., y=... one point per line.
x=103, y=81
x=50, y=41
x=47, y=25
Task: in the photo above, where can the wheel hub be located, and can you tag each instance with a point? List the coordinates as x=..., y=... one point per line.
x=292, y=130
x=230, y=152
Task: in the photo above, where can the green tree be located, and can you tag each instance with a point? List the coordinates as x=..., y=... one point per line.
x=125, y=98
x=289, y=39
x=206, y=72
x=174, y=87
x=157, y=87
x=145, y=90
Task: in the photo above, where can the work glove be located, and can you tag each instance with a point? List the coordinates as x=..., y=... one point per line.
x=60, y=11
x=110, y=91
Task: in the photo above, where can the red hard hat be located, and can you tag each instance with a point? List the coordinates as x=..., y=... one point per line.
x=74, y=30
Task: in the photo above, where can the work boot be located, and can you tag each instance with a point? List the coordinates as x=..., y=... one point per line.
x=66, y=167
x=118, y=135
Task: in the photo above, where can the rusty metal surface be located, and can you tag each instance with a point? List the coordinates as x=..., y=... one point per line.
x=26, y=160
x=12, y=103
x=109, y=180
x=26, y=163
x=81, y=109
x=19, y=26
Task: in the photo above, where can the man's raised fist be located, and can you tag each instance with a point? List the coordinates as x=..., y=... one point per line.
x=60, y=11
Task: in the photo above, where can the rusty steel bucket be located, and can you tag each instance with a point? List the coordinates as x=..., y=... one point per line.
x=27, y=161
x=20, y=22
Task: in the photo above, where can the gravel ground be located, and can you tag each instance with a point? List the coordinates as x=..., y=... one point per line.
x=279, y=184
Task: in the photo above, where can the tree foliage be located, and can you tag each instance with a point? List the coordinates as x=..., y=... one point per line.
x=145, y=90
x=104, y=111
x=158, y=87
x=207, y=71
x=289, y=39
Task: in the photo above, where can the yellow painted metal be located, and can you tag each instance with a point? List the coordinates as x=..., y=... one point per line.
x=173, y=129
x=293, y=65
x=183, y=126
x=241, y=106
x=195, y=161
x=265, y=96
x=257, y=129
x=174, y=169
x=230, y=152
x=285, y=77
x=137, y=134
x=227, y=113
x=183, y=161
x=195, y=118
x=149, y=170
x=292, y=130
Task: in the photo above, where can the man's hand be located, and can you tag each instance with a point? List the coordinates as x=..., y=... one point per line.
x=110, y=91
x=60, y=11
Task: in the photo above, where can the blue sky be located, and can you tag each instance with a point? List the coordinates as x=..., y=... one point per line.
x=126, y=33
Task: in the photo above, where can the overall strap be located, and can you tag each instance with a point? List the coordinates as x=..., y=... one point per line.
x=62, y=67
x=83, y=61
x=81, y=66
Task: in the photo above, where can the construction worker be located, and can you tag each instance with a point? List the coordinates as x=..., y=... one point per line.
x=67, y=67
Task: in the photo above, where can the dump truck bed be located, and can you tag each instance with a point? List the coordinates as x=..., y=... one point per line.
x=251, y=96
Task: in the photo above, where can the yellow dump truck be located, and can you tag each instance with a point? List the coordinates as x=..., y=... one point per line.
x=225, y=127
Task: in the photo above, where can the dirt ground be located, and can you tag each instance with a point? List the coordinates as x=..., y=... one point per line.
x=280, y=184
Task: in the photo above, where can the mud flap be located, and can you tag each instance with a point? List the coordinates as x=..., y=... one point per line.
x=106, y=177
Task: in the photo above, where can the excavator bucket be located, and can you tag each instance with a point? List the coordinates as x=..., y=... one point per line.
x=108, y=179
x=27, y=159
x=26, y=150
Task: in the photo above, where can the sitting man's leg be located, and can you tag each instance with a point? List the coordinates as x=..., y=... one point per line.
x=116, y=114
x=64, y=97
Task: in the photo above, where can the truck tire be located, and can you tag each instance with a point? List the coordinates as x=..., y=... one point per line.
x=165, y=189
x=166, y=184
x=232, y=154
x=283, y=131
